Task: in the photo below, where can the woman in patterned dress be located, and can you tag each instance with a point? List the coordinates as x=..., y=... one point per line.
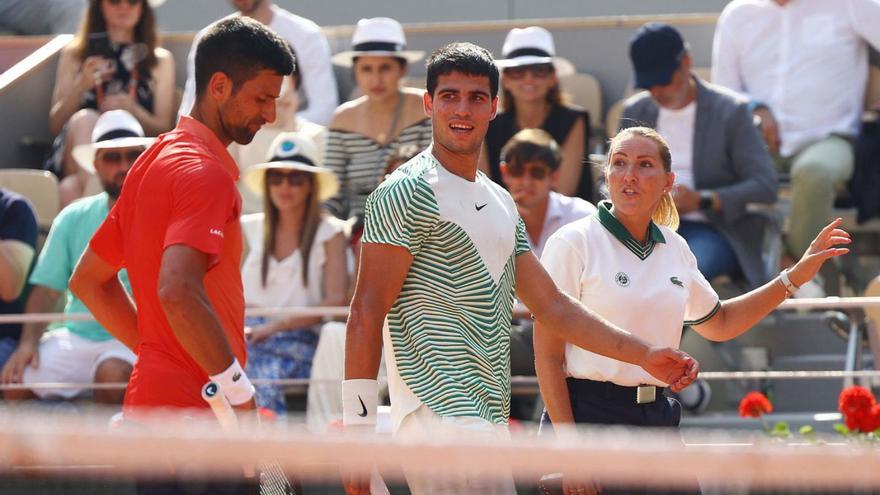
x=114, y=62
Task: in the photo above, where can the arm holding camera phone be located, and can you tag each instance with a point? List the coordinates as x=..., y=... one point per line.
x=73, y=79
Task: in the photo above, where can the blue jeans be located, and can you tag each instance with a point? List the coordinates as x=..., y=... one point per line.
x=7, y=347
x=715, y=255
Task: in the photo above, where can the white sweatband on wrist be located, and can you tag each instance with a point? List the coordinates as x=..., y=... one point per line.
x=234, y=384
x=360, y=401
x=790, y=288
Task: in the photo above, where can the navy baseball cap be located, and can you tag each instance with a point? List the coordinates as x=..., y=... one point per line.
x=655, y=52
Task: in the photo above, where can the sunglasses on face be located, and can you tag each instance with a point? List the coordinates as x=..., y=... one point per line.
x=539, y=172
x=537, y=70
x=130, y=2
x=275, y=178
x=116, y=157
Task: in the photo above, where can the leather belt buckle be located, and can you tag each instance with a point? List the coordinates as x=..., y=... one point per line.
x=646, y=394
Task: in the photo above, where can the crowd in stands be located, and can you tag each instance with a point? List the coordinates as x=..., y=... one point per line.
x=307, y=174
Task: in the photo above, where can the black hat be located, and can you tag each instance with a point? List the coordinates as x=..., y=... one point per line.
x=656, y=51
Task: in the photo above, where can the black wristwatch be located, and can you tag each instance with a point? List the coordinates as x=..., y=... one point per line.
x=706, y=201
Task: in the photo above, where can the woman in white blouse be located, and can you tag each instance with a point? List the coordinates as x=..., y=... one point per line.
x=627, y=264
x=296, y=258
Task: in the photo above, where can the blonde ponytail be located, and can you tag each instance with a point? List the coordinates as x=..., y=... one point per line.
x=666, y=213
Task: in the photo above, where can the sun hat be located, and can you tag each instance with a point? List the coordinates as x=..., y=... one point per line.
x=656, y=51
x=380, y=37
x=293, y=151
x=113, y=129
x=529, y=46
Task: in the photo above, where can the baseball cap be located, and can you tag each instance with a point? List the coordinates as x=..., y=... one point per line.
x=656, y=51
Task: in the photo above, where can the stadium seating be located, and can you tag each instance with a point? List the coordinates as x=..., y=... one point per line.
x=39, y=186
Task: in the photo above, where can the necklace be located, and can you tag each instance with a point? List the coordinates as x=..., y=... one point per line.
x=398, y=108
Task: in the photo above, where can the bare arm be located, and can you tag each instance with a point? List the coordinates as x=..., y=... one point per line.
x=573, y=322
x=15, y=260
x=41, y=300
x=739, y=314
x=572, y=165
x=96, y=283
x=550, y=368
x=161, y=118
x=383, y=269
x=70, y=84
x=194, y=322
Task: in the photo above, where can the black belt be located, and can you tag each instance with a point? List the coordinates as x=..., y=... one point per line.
x=642, y=394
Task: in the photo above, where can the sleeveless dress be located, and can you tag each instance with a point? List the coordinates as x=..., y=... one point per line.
x=558, y=124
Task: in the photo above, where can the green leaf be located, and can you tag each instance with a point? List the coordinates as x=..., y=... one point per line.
x=781, y=429
x=842, y=429
x=807, y=430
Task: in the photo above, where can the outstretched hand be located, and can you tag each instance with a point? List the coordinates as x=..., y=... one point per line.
x=671, y=366
x=823, y=248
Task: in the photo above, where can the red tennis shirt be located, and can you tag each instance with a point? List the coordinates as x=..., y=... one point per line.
x=181, y=191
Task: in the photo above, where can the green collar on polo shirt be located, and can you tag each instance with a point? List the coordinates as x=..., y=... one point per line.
x=607, y=219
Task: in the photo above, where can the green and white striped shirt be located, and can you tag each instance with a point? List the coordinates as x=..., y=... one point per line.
x=447, y=337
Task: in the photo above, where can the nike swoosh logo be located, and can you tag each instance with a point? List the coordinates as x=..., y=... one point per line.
x=362, y=414
x=480, y=207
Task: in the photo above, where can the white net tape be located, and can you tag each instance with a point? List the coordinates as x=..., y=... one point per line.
x=80, y=443
x=519, y=310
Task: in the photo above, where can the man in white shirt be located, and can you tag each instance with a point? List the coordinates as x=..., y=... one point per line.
x=312, y=59
x=530, y=170
x=804, y=65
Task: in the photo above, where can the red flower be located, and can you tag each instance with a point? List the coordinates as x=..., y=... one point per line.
x=873, y=420
x=857, y=404
x=754, y=404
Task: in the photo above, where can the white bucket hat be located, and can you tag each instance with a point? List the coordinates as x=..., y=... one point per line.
x=529, y=46
x=379, y=37
x=113, y=129
x=293, y=151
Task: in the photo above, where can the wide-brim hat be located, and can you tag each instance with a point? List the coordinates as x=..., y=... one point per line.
x=113, y=129
x=530, y=46
x=378, y=37
x=292, y=151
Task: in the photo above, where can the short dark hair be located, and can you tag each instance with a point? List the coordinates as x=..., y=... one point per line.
x=240, y=47
x=466, y=58
x=530, y=145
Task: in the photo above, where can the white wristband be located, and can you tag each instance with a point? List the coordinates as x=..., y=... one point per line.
x=360, y=400
x=234, y=384
x=786, y=282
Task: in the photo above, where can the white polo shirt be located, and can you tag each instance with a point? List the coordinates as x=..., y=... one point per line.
x=650, y=290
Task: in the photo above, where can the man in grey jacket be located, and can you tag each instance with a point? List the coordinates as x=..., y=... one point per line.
x=718, y=155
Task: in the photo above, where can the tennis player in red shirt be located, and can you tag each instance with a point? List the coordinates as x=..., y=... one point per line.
x=175, y=228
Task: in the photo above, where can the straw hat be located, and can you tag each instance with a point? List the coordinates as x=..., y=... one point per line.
x=292, y=151
x=378, y=37
x=530, y=46
x=113, y=129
